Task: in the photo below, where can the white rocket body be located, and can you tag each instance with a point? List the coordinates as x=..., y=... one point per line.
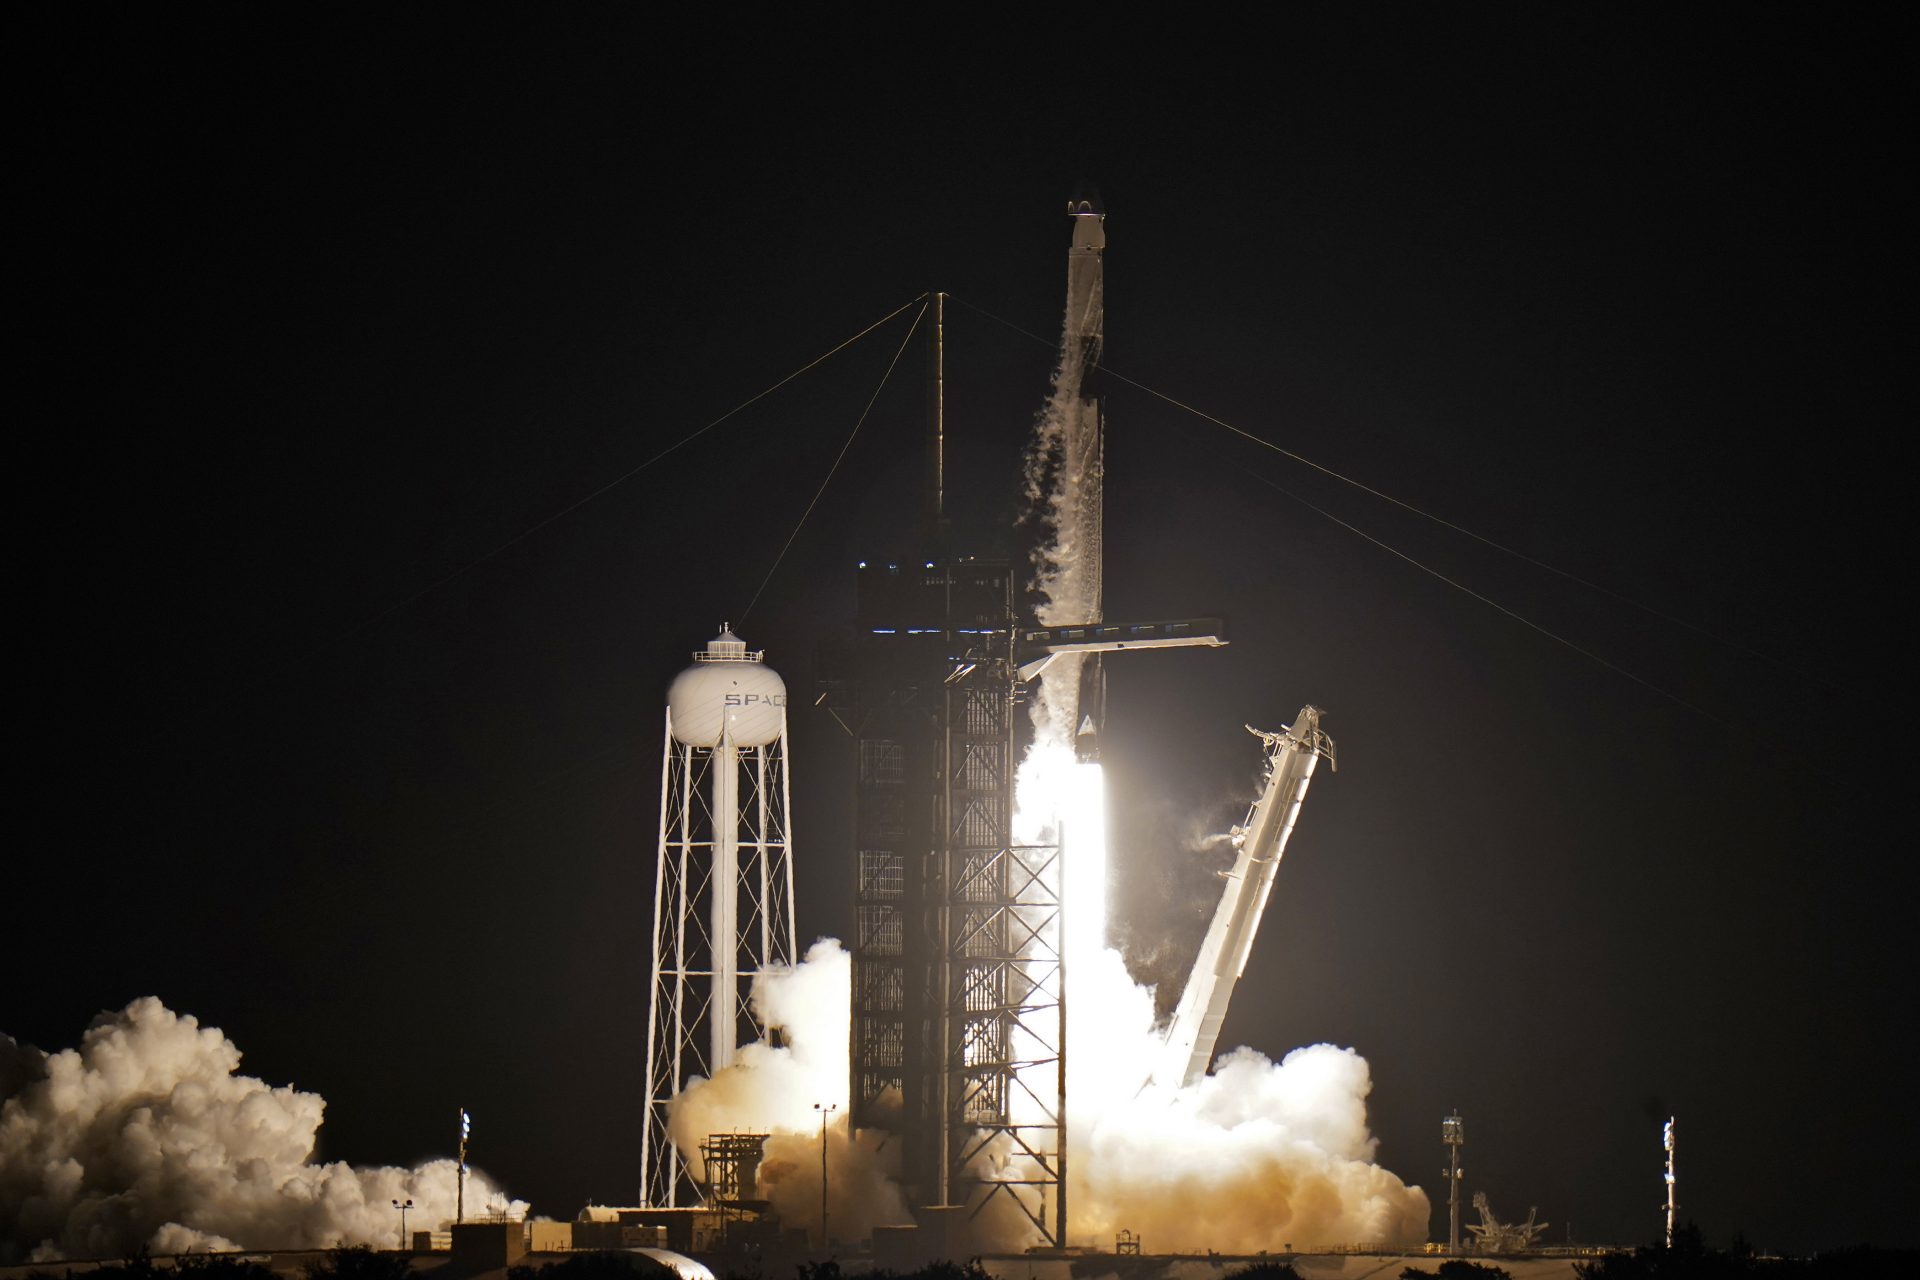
x=1086, y=283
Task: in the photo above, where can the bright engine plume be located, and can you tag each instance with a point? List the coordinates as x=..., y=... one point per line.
x=776, y=1089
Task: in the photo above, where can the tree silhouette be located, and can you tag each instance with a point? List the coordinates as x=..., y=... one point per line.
x=1265, y=1271
x=1459, y=1269
x=360, y=1263
x=595, y=1266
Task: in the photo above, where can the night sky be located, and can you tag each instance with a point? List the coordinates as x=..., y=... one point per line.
x=317, y=310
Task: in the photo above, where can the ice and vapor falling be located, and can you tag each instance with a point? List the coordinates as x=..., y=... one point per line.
x=147, y=1136
x=1064, y=484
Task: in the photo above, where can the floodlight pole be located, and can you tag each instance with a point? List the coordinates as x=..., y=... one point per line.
x=403, y=1206
x=825, y=1109
x=460, y=1175
x=1667, y=1141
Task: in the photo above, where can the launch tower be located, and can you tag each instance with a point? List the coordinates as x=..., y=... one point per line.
x=957, y=1022
x=723, y=883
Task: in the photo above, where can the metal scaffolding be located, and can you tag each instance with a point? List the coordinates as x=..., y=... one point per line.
x=958, y=1018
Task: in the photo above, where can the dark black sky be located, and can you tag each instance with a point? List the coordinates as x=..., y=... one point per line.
x=319, y=308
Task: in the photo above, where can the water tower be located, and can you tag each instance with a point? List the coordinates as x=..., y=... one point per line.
x=723, y=885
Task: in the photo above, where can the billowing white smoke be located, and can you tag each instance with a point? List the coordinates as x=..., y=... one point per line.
x=1256, y=1156
x=775, y=1089
x=147, y=1136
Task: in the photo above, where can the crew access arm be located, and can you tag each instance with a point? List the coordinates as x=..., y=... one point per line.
x=1291, y=757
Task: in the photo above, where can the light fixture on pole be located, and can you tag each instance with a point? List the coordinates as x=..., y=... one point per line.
x=1667, y=1141
x=1453, y=1132
x=403, y=1206
x=825, y=1109
x=460, y=1174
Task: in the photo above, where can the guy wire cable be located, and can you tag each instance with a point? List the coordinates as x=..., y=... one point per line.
x=1410, y=507
x=524, y=534
x=911, y=330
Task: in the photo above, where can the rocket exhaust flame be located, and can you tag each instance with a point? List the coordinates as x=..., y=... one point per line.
x=1256, y=1155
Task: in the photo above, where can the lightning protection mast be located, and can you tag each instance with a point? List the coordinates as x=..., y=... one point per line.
x=723, y=884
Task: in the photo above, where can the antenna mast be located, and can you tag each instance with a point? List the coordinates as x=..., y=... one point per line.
x=936, y=499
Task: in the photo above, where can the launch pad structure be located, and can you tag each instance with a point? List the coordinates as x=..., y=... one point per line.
x=958, y=1028
x=959, y=1011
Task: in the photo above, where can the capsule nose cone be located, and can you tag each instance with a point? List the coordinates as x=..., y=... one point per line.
x=1088, y=233
x=1088, y=214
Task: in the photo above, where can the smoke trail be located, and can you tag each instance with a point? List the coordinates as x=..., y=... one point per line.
x=1257, y=1155
x=1063, y=490
x=147, y=1136
x=774, y=1089
x=1063, y=483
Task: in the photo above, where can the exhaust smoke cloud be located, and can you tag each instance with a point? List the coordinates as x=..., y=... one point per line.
x=775, y=1089
x=1257, y=1155
x=146, y=1136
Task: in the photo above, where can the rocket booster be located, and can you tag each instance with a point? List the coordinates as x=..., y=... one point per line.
x=1086, y=448
x=1291, y=756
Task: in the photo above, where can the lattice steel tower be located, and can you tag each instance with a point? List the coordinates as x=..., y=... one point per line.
x=958, y=1016
x=723, y=884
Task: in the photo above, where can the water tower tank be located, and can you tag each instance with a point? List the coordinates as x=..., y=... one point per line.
x=727, y=686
